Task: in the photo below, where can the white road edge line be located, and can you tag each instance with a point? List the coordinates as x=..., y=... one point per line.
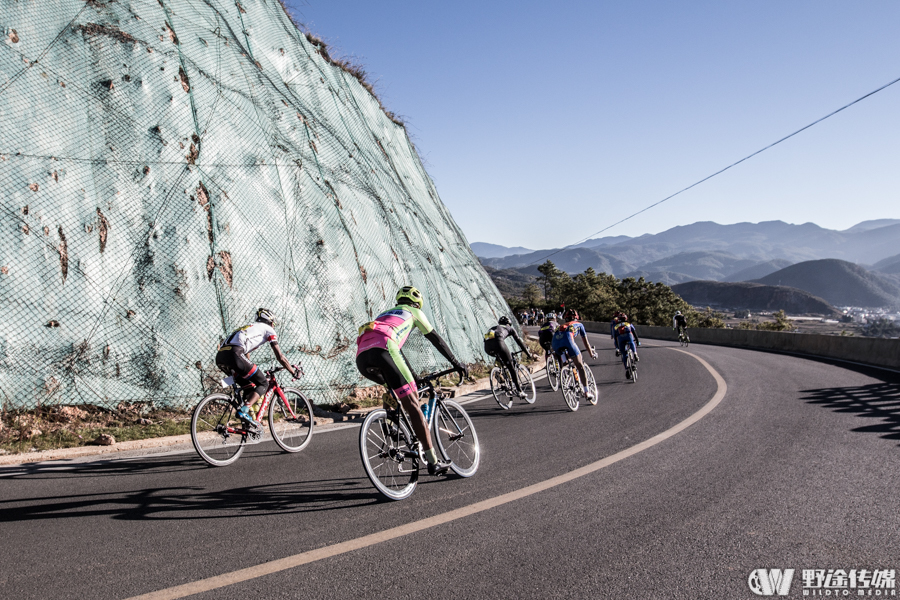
x=275, y=566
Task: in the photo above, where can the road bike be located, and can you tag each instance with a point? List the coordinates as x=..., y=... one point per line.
x=219, y=434
x=631, y=365
x=503, y=386
x=552, y=370
x=570, y=383
x=391, y=454
x=683, y=337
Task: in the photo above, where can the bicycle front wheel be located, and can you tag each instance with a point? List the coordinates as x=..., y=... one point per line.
x=499, y=387
x=386, y=456
x=456, y=438
x=553, y=372
x=526, y=383
x=592, y=385
x=569, y=388
x=291, y=423
x=212, y=431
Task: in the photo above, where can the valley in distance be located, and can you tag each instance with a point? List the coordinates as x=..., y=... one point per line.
x=827, y=281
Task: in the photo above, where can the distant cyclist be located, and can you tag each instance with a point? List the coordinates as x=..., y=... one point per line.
x=679, y=323
x=564, y=344
x=232, y=358
x=495, y=345
x=626, y=336
x=378, y=358
x=612, y=329
x=545, y=335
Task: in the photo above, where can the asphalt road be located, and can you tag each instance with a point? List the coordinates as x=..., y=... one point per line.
x=795, y=468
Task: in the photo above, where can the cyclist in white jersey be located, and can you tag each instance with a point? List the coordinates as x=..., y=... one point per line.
x=232, y=359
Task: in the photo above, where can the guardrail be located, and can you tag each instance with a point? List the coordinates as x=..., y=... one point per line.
x=879, y=352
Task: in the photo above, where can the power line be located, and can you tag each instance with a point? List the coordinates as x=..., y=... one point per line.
x=734, y=164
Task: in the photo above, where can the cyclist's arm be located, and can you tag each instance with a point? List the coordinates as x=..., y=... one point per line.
x=634, y=333
x=439, y=343
x=280, y=357
x=518, y=340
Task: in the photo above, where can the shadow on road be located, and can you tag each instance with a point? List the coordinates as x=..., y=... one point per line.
x=184, y=502
x=877, y=401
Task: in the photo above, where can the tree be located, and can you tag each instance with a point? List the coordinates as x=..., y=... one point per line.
x=531, y=295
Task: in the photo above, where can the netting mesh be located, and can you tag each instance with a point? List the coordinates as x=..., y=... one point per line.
x=168, y=167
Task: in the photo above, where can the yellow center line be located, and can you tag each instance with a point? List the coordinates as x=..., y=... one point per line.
x=226, y=579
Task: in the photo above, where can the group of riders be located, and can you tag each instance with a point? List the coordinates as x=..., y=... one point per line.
x=379, y=355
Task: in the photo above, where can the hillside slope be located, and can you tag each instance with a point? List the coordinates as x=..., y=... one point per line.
x=753, y=296
x=166, y=168
x=839, y=282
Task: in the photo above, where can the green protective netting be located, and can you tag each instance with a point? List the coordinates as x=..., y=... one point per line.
x=167, y=167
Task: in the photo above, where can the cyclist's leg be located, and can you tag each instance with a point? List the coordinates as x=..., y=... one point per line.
x=579, y=364
x=400, y=378
x=247, y=375
x=505, y=357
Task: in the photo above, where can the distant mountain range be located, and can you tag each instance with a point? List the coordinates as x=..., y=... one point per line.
x=753, y=296
x=708, y=250
x=773, y=256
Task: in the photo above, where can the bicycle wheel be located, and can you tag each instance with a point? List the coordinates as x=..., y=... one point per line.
x=210, y=424
x=592, y=385
x=681, y=339
x=553, y=372
x=526, y=383
x=456, y=438
x=568, y=384
x=632, y=366
x=385, y=454
x=500, y=387
x=291, y=424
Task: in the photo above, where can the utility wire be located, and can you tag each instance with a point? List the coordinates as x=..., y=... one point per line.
x=831, y=114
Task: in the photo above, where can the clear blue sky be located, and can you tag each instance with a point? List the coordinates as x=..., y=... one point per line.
x=542, y=123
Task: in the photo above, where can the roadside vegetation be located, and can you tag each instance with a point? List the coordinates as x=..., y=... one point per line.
x=597, y=296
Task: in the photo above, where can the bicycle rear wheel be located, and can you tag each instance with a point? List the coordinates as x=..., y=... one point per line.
x=632, y=366
x=569, y=387
x=210, y=424
x=526, y=383
x=592, y=385
x=291, y=424
x=553, y=372
x=456, y=438
x=384, y=450
x=500, y=388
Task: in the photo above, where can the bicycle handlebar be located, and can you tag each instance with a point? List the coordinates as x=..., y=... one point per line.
x=439, y=374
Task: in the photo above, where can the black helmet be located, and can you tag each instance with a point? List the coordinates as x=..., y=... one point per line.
x=266, y=316
x=504, y=320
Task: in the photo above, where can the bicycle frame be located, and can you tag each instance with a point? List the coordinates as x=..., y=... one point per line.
x=427, y=387
x=274, y=388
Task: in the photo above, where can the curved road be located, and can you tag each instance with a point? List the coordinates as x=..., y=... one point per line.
x=795, y=468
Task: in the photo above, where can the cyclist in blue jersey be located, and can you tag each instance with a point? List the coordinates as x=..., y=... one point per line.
x=564, y=345
x=626, y=336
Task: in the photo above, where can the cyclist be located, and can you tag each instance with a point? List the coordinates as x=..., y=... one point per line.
x=564, y=342
x=495, y=346
x=379, y=358
x=679, y=323
x=545, y=336
x=626, y=335
x=232, y=359
x=612, y=328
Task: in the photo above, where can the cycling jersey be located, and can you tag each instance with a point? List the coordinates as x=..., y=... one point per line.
x=250, y=337
x=679, y=321
x=545, y=335
x=564, y=338
x=392, y=326
x=501, y=332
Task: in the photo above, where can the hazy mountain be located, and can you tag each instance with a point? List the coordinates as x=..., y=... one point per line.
x=753, y=296
x=874, y=224
x=839, y=282
x=484, y=250
x=666, y=277
x=890, y=265
x=758, y=270
x=571, y=260
x=510, y=282
x=707, y=250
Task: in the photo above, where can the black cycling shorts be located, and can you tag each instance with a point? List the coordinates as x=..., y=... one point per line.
x=377, y=364
x=232, y=361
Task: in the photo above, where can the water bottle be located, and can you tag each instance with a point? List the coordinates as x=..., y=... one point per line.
x=426, y=409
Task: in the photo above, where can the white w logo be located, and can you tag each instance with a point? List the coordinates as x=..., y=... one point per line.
x=768, y=582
